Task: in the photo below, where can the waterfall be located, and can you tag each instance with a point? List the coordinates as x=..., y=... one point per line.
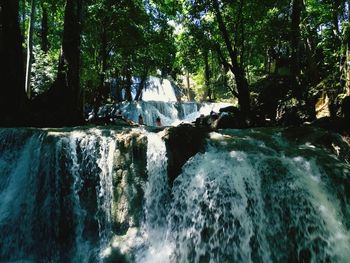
x=159, y=90
x=259, y=200
x=160, y=98
x=211, y=219
x=56, y=188
x=102, y=195
x=157, y=197
x=170, y=113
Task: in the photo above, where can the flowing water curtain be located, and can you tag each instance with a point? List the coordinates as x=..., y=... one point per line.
x=251, y=196
x=57, y=194
x=271, y=202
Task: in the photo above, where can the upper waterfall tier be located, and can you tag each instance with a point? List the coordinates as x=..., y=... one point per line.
x=155, y=89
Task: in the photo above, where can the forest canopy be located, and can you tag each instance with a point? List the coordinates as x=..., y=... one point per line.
x=57, y=56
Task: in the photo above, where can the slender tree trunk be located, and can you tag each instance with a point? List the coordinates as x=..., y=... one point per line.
x=310, y=49
x=103, y=57
x=243, y=94
x=44, y=29
x=295, y=39
x=207, y=73
x=12, y=99
x=23, y=15
x=128, y=83
x=241, y=22
x=347, y=66
x=141, y=85
x=104, y=50
x=311, y=70
x=188, y=86
x=335, y=21
x=30, y=49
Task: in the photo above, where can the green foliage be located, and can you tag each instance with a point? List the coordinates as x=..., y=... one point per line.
x=44, y=70
x=180, y=37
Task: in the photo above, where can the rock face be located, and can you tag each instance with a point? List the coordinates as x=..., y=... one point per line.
x=182, y=143
x=229, y=121
x=129, y=177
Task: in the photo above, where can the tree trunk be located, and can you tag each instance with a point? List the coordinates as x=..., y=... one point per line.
x=311, y=70
x=103, y=59
x=68, y=77
x=335, y=21
x=207, y=73
x=243, y=94
x=347, y=66
x=44, y=29
x=30, y=49
x=141, y=86
x=23, y=15
x=128, y=83
x=12, y=99
x=188, y=83
x=295, y=39
x=104, y=50
x=241, y=22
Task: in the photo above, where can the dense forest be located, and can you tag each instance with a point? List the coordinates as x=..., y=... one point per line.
x=271, y=57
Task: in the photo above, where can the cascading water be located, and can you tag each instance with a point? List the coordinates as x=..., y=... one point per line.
x=251, y=199
x=160, y=98
x=57, y=190
x=157, y=197
x=170, y=113
x=102, y=195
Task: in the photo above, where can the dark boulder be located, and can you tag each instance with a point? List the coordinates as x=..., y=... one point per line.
x=202, y=121
x=335, y=124
x=230, y=109
x=230, y=121
x=182, y=142
x=292, y=112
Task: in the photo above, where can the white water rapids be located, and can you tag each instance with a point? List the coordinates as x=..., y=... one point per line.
x=102, y=195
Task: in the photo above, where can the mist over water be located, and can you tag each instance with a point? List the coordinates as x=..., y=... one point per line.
x=87, y=195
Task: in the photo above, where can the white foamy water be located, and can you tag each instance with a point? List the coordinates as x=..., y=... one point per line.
x=250, y=196
x=170, y=113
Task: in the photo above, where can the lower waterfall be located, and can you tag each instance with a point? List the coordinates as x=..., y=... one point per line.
x=103, y=195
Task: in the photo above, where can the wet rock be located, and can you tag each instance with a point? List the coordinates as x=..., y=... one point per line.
x=203, y=121
x=333, y=142
x=229, y=121
x=334, y=124
x=182, y=142
x=129, y=178
x=116, y=256
x=230, y=109
x=292, y=112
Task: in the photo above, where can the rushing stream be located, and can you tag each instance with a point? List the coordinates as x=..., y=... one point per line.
x=102, y=195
